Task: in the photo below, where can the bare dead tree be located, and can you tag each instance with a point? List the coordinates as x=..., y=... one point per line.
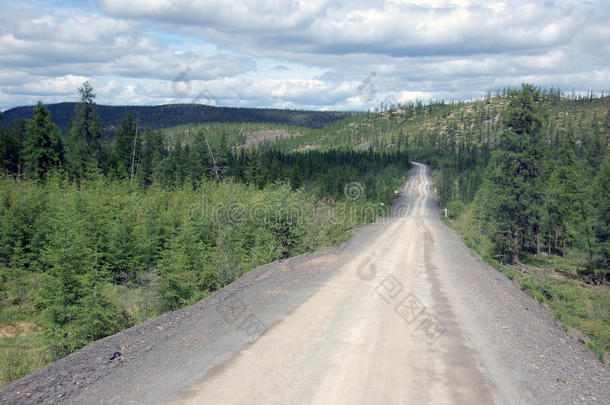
x=133, y=154
x=213, y=158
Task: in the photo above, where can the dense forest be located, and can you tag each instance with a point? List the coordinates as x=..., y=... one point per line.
x=534, y=185
x=531, y=194
x=99, y=233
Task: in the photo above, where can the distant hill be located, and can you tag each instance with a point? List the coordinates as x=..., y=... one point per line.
x=170, y=115
x=439, y=125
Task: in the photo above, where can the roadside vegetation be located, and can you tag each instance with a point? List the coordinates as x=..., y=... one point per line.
x=561, y=283
x=535, y=205
x=97, y=236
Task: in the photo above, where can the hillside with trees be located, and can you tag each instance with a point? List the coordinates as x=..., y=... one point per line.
x=99, y=234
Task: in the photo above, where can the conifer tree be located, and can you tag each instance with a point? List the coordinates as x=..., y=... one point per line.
x=43, y=148
x=564, y=188
x=126, y=147
x=602, y=206
x=84, y=144
x=513, y=186
x=11, y=146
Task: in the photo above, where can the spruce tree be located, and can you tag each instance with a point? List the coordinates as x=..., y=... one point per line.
x=564, y=189
x=513, y=188
x=150, y=156
x=126, y=147
x=17, y=131
x=6, y=147
x=174, y=278
x=43, y=148
x=84, y=143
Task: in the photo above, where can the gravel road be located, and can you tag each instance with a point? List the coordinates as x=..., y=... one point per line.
x=401, y=313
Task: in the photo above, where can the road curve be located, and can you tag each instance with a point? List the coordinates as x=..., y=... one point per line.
x=403, y=313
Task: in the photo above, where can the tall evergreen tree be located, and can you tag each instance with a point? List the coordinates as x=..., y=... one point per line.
x=564, y=189
x=150, y=156
x=126, y=147
x=17, y=131
x=84, y=144
x=6, y=146
x=43, y=149
x=512, y=188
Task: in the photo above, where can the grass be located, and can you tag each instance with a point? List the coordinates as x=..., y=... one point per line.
x=21, y=353
x=23, y=345
x=553, y=280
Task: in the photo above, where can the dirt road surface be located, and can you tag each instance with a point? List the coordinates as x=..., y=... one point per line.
x=403, y=313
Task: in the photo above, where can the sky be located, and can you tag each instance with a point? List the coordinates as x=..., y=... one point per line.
x=297, y=54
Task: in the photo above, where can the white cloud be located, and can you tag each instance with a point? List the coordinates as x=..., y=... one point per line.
x=301, y=53
x=387, y=27
x=63, y=85
x=41, y=50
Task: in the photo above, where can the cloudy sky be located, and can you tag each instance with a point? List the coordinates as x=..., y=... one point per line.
x=312, y=54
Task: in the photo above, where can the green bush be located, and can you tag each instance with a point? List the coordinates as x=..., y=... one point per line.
x=455, y=208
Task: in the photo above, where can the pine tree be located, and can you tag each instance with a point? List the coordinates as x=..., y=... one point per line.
x=43, y=148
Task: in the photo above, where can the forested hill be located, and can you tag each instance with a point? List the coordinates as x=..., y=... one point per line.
x=164, y=116
x=442, y=127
